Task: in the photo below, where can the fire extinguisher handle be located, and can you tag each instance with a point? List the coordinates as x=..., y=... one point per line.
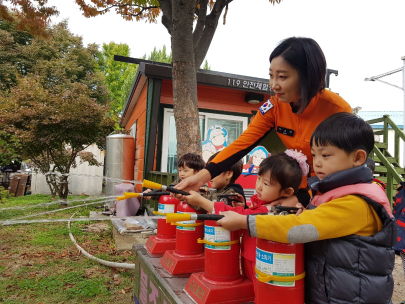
x=156, y=193
x=286, y=208
x=209, y=217
x=174, y=190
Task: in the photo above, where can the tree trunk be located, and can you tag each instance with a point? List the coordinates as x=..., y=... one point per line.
x=184, y=73
x=50, y=182
x=64, y=188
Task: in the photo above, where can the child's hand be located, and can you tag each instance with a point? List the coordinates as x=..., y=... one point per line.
x=194, y=198
x=233, y=221
x=239, y=204
x=290, y=201
x=297, y=212
x=147, y=191
x=299, y=205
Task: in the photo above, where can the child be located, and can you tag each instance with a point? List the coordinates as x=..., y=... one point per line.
x=225, y=183
x=187, y=165
x=279, y=176
x=399, y=214
x=349, y=228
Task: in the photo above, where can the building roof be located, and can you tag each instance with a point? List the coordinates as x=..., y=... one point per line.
x=396, y=116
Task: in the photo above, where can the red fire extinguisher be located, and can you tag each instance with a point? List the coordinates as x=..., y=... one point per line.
x=221, y=252
x=187, y=233
x=165, y=239
x=279, y=272
x=167, y=204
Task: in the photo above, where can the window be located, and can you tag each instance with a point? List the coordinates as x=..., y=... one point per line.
x=234, y=126
x=132, y=131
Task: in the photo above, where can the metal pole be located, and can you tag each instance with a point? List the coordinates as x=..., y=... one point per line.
x=403, y=92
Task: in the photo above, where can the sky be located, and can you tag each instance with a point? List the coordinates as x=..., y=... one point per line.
x=360, y=39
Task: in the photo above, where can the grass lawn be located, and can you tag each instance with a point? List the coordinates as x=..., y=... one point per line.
x=40, y=264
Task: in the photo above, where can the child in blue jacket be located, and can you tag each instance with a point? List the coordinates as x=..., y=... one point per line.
x=399, y=214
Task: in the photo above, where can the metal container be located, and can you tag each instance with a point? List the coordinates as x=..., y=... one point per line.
x=120, y=160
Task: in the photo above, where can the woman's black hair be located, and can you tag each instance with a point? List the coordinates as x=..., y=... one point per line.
x=345, y=131
x=283, y=169
x=306, y=56
x=191, y=160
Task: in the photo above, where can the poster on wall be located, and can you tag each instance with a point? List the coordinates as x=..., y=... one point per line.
x=255, y=157
x=217, y=137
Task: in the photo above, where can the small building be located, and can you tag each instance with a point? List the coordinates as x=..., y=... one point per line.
x=226, y=100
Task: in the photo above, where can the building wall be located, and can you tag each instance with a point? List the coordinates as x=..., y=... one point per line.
x=214, y=98
x=138, y=115
x=77, y=184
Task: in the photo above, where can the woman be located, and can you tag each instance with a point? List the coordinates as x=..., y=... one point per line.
x=297, y=77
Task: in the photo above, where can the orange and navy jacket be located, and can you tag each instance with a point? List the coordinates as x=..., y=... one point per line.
x=294, y=130
x=399, y=214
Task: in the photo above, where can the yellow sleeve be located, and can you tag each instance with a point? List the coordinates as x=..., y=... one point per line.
x=341, y=217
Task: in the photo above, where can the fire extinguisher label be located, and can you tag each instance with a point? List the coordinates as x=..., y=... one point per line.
x=216, y=234
x=276, y=264
x=188, y=228
x=166, y=208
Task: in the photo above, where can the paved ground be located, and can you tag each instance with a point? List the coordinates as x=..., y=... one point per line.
x=399, y=282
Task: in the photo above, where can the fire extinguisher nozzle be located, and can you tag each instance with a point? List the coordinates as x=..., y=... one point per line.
x=132, y=194
x=177, y=217
x=151, y=185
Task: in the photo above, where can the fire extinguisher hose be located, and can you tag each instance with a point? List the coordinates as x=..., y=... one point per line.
x=264, y=277
x=204, y=241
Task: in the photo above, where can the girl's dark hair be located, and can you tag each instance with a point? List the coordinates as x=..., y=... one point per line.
x=191, y=160
x=304, y=55
x=345, y=131
x=283, y=169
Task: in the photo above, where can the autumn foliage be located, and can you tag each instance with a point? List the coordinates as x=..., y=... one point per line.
x=57, y=105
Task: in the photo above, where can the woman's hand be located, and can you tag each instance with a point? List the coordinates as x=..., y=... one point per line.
x=192, y=183
x=233, y=221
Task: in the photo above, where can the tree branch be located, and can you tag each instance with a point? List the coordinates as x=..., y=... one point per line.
x=202, y=14
x=166, y=7
x=139, y=14
x=211, y=24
